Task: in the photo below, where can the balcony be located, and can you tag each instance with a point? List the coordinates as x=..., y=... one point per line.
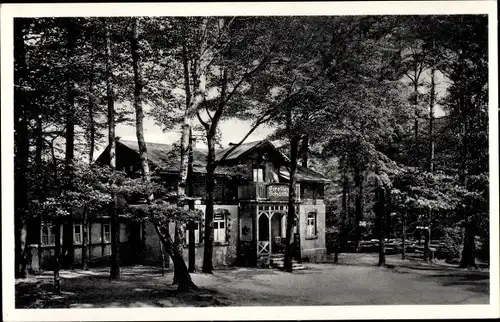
x=266, y=191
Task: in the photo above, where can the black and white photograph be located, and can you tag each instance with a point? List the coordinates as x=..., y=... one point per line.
x=262, y=161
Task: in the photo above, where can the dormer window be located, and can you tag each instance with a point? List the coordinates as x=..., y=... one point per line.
x=258, y=174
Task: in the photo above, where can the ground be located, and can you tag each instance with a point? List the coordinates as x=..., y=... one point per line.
x=354, y=281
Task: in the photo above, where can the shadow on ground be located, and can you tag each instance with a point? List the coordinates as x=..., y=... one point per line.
x=138, y=287
x=356, y=280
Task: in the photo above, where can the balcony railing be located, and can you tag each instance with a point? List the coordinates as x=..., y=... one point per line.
x=259, y=191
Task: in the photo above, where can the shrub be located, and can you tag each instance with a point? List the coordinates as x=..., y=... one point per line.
x=451, y=248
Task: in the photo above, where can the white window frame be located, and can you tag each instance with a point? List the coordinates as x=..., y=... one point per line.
x=78, y=240
x=81, y=234
x=220, y=233
x=312, y=222
x=51, y=236
x=258, y=174
x=104, y=239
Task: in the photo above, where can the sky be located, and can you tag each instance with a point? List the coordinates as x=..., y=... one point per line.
x=233, y=130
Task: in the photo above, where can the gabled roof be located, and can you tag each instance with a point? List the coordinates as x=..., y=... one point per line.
x=238, y=151
x=167, y=158
x=248, y=147
x=305, y=174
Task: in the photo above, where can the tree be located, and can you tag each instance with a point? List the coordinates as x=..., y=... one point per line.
x=110, y=97
x=21, y=145
x=184, y=279
x=366, y=114
x=464, y=43
x=234, y=53
x=380, y=213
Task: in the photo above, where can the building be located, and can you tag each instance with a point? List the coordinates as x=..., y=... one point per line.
x=250, y=209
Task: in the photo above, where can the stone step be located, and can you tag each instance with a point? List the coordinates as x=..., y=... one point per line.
x=280, y=263
x=277, y=256
x=297, y=267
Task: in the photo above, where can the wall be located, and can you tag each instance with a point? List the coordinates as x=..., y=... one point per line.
x=99, y=252
x=151, y=254
x=313, y=248
x=223, y=255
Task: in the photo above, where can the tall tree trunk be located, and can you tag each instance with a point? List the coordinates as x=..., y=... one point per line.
x=305, y=151
x=39, y=140
x=469, y=249
x=138, y=86
x=416, y=129
x=380, y=214
x=91, y=103
x=179, y=244
x=85, y=240
x=115, y=240
x=183, y=167
x=190, y=192
x=184, y=282
x=417, y=114
x=209, y=210
x=186, y=180
x=115, y=230
x=92, y=131
x=358, y=202
x=57, y=258
x=403, y=237
x=427, y=241
x=341, y=238
x=21, y=149
x=291, y=196
x=431, y=122
x=91, y=107
x=57, y=224
x=163, y=262
x=183, y=278
x=68, y=247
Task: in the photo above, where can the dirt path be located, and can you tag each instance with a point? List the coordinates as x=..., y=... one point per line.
x=355, y=281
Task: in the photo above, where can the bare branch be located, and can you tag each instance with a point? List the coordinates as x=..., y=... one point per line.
x=261, y=120
x=208, y=112
x=205, y=124
x=249, y=73
x=222, y=33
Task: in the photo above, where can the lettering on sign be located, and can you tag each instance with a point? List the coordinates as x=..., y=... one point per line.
x=277, y=192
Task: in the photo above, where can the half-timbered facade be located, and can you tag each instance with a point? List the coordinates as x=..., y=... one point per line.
x=250, y=209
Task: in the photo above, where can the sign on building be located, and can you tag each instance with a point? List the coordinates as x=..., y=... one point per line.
x=277, y=192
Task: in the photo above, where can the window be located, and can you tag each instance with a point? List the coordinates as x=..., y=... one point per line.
x=220, y=230
x=311, y=225
x=107, y=233
x=77, y=233
x=258, y=175
x=48, y=234
x=196, y=234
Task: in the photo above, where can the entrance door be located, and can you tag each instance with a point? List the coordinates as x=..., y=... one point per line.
x=277, y=236
x=134, y=243
x=263, y=245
